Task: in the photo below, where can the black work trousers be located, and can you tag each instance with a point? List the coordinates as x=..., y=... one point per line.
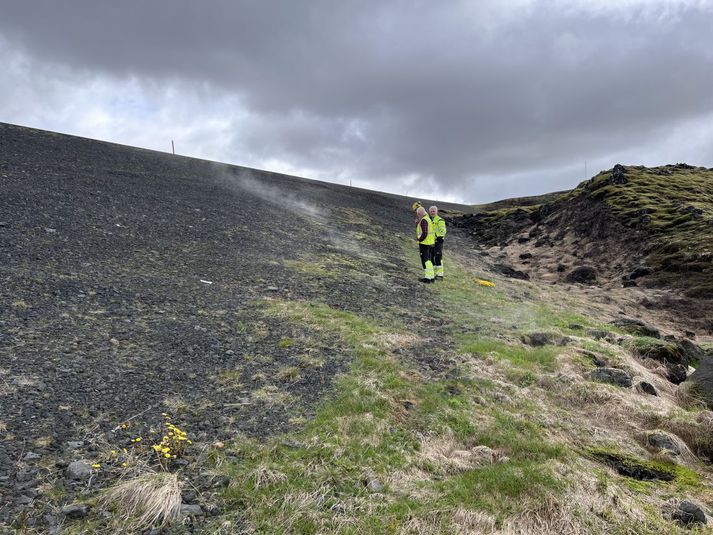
x=426, y=252
x=438, y=252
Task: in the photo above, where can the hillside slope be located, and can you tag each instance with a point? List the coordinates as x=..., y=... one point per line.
x=278, y=322
x=633, y=225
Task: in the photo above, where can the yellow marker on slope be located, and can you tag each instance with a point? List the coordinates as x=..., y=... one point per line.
x=484, y=282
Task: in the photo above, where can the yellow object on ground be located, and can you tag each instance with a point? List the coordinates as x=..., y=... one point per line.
x=484, y=282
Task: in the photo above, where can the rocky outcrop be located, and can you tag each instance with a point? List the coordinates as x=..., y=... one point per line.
x=582, y=275
x=636, y=327
x=700, y=383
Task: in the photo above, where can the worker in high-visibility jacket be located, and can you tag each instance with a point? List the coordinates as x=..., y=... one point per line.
x=439, y=225
x=426, y=236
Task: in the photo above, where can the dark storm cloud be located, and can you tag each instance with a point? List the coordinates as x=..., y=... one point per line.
x=475, y=100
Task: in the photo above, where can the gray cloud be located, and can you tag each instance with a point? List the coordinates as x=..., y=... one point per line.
x=465, y=100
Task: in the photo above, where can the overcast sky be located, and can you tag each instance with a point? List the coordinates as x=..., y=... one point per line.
x=458, y=100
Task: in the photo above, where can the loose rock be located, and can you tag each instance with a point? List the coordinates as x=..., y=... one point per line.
x=582, y=275
x=663, y=441
x=647, y=388
x=688, y=513
x=191, y=510
x=612, y=376
x=78, y=470
x=636, y=327
x=75, y=510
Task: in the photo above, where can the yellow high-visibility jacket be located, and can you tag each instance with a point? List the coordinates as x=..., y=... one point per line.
x=430, y=235
x=440, y=225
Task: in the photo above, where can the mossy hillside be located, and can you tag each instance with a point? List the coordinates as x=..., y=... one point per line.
x=674, y=206
x=671, y=205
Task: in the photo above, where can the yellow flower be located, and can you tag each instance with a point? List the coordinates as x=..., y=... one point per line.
x=96, y=465
x=113, y=452
x=167, y=455
x=124, y=464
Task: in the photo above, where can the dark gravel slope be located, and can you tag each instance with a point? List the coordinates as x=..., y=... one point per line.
x=131, y=280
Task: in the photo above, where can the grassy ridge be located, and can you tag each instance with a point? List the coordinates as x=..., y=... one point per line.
x=674, y=205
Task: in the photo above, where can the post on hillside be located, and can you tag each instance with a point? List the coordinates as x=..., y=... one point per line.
x=173, y=148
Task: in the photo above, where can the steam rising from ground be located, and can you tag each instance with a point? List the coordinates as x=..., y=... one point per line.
x=246, y=182
x=290, y=202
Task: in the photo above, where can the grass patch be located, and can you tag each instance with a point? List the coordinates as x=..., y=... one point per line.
x=502, y=489
x=523, y=357
x=284, y=343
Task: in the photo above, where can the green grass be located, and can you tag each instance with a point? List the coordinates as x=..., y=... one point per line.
x=521, y=356
x=500, y=489
x=364, y=429
x=284, y=343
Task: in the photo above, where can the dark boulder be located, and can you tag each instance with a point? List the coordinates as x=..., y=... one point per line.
x=510, y=272
x=676, y=373
x=647, y=388
x=663, y=441
x=525, y=256
x=667, y=353
x=641, y=271
x=636, y=327
x=692, y=352
x=612, y=376
x=582, y=275
x=618, y=175
x=628, y=283
x=688, y=513
x=630, y=467
x=540, y=339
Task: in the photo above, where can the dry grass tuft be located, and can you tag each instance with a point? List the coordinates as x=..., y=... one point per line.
x=176, y=404
x=300, y=505
x=447, y=456
x=264, y=476
x=549, y=517
x=686, y=453
x=686, y=399
x=146, y=501
x=465, y=521
x=3, y=427
x=271, y=395
x=400, y=340
x=697, y=435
